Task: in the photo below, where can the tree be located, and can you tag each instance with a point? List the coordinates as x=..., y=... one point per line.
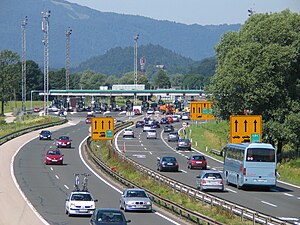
x=258, y=70
x=57, y=79
x=176, y=80
x=34, y=77
x=9, y=70
x=91, y=80
x=161, y=80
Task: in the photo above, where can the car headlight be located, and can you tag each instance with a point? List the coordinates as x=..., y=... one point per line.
x=72, y=205
x=68, y=142
x=61, y=158
x=48, y=158
x=129, y=202
x=148, y=203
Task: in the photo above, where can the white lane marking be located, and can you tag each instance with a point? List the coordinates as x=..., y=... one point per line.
x=149, y=152
x=183, y=171
x=298, y=198
x=228, y=189
x=268, y=203
x=12, y=174
x=142, y=144
x=57, y=177
x=51, y=168
x=288, y=194
x=113, y=187
x=145, y=148
x=66, y=187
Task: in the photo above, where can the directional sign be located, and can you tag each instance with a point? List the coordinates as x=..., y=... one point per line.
x=102, y=128
x=201, y=111
x=245, y=128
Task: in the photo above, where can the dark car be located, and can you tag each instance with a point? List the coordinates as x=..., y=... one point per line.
x=168, y=128
x=197, y=161
x=155, y=124
x=105, y=216
x=184, y=143
x=64, y=141
x=45, y=135
x=173, y=136
x=164, y=120
x=139, y=124
x=167, y=163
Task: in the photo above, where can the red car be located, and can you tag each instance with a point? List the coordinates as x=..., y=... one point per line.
x=54, y=156
x=170, y=119
x=88, y=120
x=197, y=161
x=36, y=109
x=63, y=141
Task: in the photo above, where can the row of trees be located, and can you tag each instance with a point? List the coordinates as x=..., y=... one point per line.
x=10, y=79
x=258, y=71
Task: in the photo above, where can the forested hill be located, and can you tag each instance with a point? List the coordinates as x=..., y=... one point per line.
x=119, y=61
x=95, y=32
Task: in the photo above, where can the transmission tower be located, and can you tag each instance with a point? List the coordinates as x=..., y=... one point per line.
x=23, y=30
x=45, y=29
x=136, y=37
x=68, y=33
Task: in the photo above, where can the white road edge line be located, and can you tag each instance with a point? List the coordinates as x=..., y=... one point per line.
x=66, y=187
x=287, y=194
x=228, y=189
x=18, y=186
x=268, y=203
x=57, y=177
x=116, y=189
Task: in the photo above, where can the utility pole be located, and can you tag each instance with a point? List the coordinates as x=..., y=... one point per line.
x=136, y=37
x=68, y=33
x=23, y=30
x=45, y=29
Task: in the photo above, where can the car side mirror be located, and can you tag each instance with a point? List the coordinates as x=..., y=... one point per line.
x=158, y=159
x=128, y=221
x=63, y=155
x=197, y=176
x=95, y=200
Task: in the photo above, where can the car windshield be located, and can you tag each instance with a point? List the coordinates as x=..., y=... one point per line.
x=45, y=132
x=113, y=217
x=198, y=157
x=169, y=159
x=64, y=138
x=53, y=152
x=212, y=176
x=81, y=197
x=137, y=194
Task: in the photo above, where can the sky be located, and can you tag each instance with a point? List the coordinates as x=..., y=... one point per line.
x=202, y=12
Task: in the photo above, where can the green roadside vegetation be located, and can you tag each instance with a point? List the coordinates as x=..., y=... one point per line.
x=129, y=172
x=15, y=106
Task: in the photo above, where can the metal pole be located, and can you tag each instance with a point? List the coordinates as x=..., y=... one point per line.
x=135, y=65
x=23, y=29
x=68, y=33
x=45, y=29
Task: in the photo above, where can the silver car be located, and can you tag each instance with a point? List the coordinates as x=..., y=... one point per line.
x=210, y=180
x=135, y=199
x=151, y=134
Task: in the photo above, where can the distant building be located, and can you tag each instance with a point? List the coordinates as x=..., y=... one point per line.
x=128, y=87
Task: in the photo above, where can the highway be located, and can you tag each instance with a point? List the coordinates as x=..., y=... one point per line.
x=47, y=186
x=283, y=201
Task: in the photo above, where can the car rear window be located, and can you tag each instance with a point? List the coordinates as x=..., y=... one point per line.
x=198, y=157
x=213, y=175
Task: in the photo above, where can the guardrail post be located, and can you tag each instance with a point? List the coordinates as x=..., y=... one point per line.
x=254, y=217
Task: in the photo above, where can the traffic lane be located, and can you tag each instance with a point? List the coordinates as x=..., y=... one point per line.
x=48, y=186
x=43, y=187
x=190, y=176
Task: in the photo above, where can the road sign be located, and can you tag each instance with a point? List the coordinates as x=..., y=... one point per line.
x=201, y=111
x=184, y=124
x=102, y=128
x=245, y=128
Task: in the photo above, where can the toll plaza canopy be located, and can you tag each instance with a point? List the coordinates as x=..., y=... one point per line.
x=157, y=92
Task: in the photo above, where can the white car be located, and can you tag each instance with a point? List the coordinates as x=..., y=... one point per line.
x=128, y=132
x=150, y=111
x=80, y=203
x=147, y=127
x=175, y=118
x=151, y=134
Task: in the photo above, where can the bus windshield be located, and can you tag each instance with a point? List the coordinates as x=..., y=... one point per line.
x=260, y=155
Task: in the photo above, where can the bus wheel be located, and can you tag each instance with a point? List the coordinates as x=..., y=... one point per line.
x=226, y=179
x=238, y=182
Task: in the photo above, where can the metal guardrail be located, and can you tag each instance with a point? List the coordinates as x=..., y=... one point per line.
x=241, y=211
x=17, y=133
x=175, y=208
x=216, y=152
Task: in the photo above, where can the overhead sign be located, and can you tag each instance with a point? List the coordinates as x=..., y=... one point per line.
x=201, y=111
x=102, y=128
x=245, y=128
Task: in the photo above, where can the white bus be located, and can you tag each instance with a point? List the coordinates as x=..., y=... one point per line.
x=252, y=164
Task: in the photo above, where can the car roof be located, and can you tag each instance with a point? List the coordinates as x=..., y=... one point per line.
x=135, y=189
x=210, y=171
x=109, y=210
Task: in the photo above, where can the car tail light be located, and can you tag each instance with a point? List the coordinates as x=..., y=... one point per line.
x=176, y=164
x=221, y=182
x=244, y=172
x=204, y=182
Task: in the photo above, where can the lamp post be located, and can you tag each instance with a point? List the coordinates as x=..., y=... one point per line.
x=136, y=37
x=23, y=29
x=68, y=33
x=45, y=29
